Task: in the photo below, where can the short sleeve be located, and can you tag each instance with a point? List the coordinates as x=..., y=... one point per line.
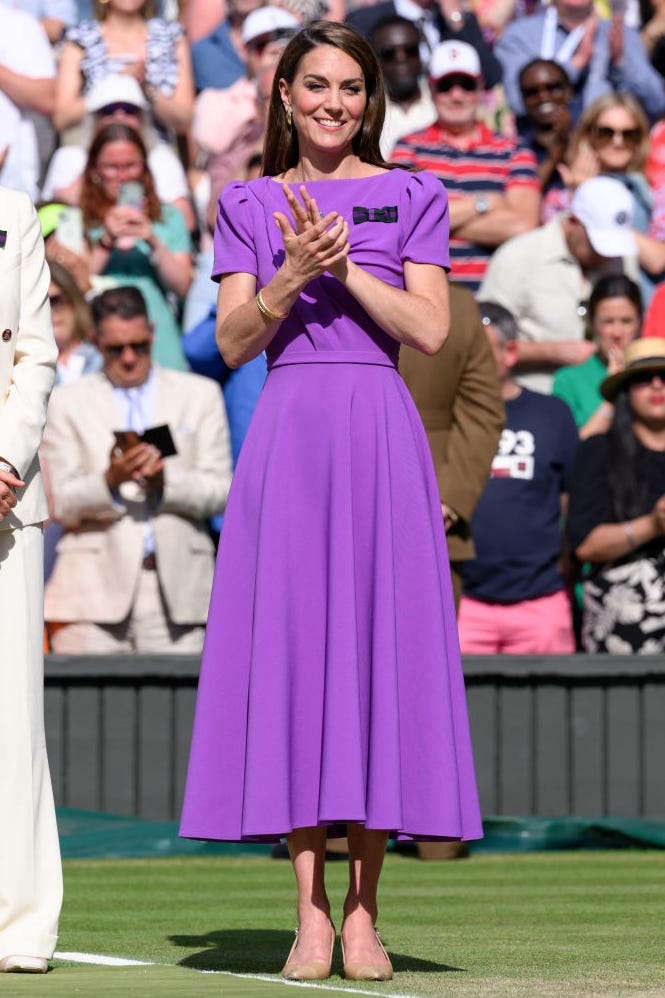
x=426, y=224
x=234, y=236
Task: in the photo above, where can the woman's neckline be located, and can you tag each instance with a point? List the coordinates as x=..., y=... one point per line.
x=330, y=180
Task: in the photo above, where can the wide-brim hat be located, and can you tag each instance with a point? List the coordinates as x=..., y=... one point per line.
x=646, y=355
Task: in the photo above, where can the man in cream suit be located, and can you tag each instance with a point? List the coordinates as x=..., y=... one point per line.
x=134, y=567
x=30, y=870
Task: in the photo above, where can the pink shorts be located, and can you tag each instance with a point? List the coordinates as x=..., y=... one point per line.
x=541, y=626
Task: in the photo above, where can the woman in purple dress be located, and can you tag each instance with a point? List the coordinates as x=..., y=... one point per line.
x=331, y=690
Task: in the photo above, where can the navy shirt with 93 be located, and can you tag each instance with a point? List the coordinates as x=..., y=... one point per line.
x=517, y=526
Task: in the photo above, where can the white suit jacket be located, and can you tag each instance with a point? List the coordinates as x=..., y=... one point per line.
x=28, y=352
x=100, y=555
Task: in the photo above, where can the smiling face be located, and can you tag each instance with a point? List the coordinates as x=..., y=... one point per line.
x=327, y=99
x=544, y=88
x=616, y=322
x=615, y=138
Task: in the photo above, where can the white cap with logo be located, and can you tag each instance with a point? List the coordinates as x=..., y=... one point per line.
x=454, y=57
x=605, y=208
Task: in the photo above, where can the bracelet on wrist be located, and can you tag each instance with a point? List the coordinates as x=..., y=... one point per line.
x=9, y=468
x=630, y=535
x=106, y=241
x=267, y=311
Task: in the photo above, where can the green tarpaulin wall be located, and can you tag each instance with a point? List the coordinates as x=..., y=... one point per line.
x=87, y=835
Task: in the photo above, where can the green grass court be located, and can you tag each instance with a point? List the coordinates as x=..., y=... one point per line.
x=538, y=925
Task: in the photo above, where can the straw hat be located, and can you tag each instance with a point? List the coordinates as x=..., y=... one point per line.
x=645, y=354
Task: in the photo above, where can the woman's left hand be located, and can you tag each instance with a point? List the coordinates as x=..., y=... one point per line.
x=134, y=222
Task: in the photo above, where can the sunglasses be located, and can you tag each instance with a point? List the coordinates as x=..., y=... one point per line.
x=553, y=87
x=390, y=53
x=120, y=106
x=140, y=347
x=603, y=135
x=446, y=84
x=645, y=379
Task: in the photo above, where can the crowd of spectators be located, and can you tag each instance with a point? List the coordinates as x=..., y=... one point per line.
x=123, y=120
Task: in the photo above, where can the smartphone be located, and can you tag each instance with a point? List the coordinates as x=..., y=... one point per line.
x=131, y=193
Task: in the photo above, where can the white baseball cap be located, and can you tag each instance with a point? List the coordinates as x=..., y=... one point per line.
x=266, y=20
x=605, y=208
x=454, y=57
x=115, y=89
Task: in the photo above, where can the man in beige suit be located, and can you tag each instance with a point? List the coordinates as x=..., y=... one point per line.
x=134, y=567
x=30, y=870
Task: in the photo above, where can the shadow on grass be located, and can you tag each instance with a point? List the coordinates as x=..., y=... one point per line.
x=263, y=951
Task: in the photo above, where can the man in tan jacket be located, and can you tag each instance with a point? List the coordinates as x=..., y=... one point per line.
x=30, y=870
x=458, y=396
x=134, y=567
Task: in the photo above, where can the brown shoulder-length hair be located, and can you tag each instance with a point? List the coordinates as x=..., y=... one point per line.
x=70, y=289
x=280, y=150
x=588, y=122
x=94, y=202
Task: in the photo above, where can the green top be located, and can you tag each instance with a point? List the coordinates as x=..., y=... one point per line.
x=579, y=386
x=135, y=267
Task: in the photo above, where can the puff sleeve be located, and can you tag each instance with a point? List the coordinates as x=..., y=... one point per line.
x=426, y=221
x=235, y=251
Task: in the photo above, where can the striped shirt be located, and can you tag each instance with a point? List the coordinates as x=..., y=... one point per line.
x=490, y=164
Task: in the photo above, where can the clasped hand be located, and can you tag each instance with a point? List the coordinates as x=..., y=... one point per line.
x=315, y=243
x=141, y=463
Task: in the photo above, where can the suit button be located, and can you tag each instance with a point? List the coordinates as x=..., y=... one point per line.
x=6, y=334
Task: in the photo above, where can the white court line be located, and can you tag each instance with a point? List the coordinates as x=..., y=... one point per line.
x=117, y=961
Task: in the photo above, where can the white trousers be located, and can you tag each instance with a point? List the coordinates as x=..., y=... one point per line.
x=30, y=867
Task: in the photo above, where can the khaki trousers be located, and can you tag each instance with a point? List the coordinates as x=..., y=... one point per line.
x=30, y=868
x=147, y=630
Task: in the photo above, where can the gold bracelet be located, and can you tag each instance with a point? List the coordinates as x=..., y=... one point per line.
x=268, y=312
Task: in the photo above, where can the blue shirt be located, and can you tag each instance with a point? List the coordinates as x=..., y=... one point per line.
x=215, y=60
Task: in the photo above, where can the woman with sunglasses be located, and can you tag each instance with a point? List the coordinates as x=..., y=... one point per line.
x=72, y=327
x=612, y=138
x=616, y=519
x=615, y=317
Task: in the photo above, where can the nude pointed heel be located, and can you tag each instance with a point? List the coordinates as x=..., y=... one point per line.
x=310, y=970
x=368, y=971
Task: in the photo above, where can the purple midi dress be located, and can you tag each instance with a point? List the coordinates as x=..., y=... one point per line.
x=331, y=689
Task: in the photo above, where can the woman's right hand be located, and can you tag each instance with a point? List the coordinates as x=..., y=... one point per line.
x=585, y=166
x=316, y=248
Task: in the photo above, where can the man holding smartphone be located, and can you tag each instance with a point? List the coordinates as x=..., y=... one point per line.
x=134, y=567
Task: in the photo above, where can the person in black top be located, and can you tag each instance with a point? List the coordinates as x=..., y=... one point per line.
x=616, y=519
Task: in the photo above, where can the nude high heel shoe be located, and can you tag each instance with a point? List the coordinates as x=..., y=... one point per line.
x=368, y=971
x=311, y=970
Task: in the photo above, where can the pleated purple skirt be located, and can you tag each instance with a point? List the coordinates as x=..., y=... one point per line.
x=331, y=689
